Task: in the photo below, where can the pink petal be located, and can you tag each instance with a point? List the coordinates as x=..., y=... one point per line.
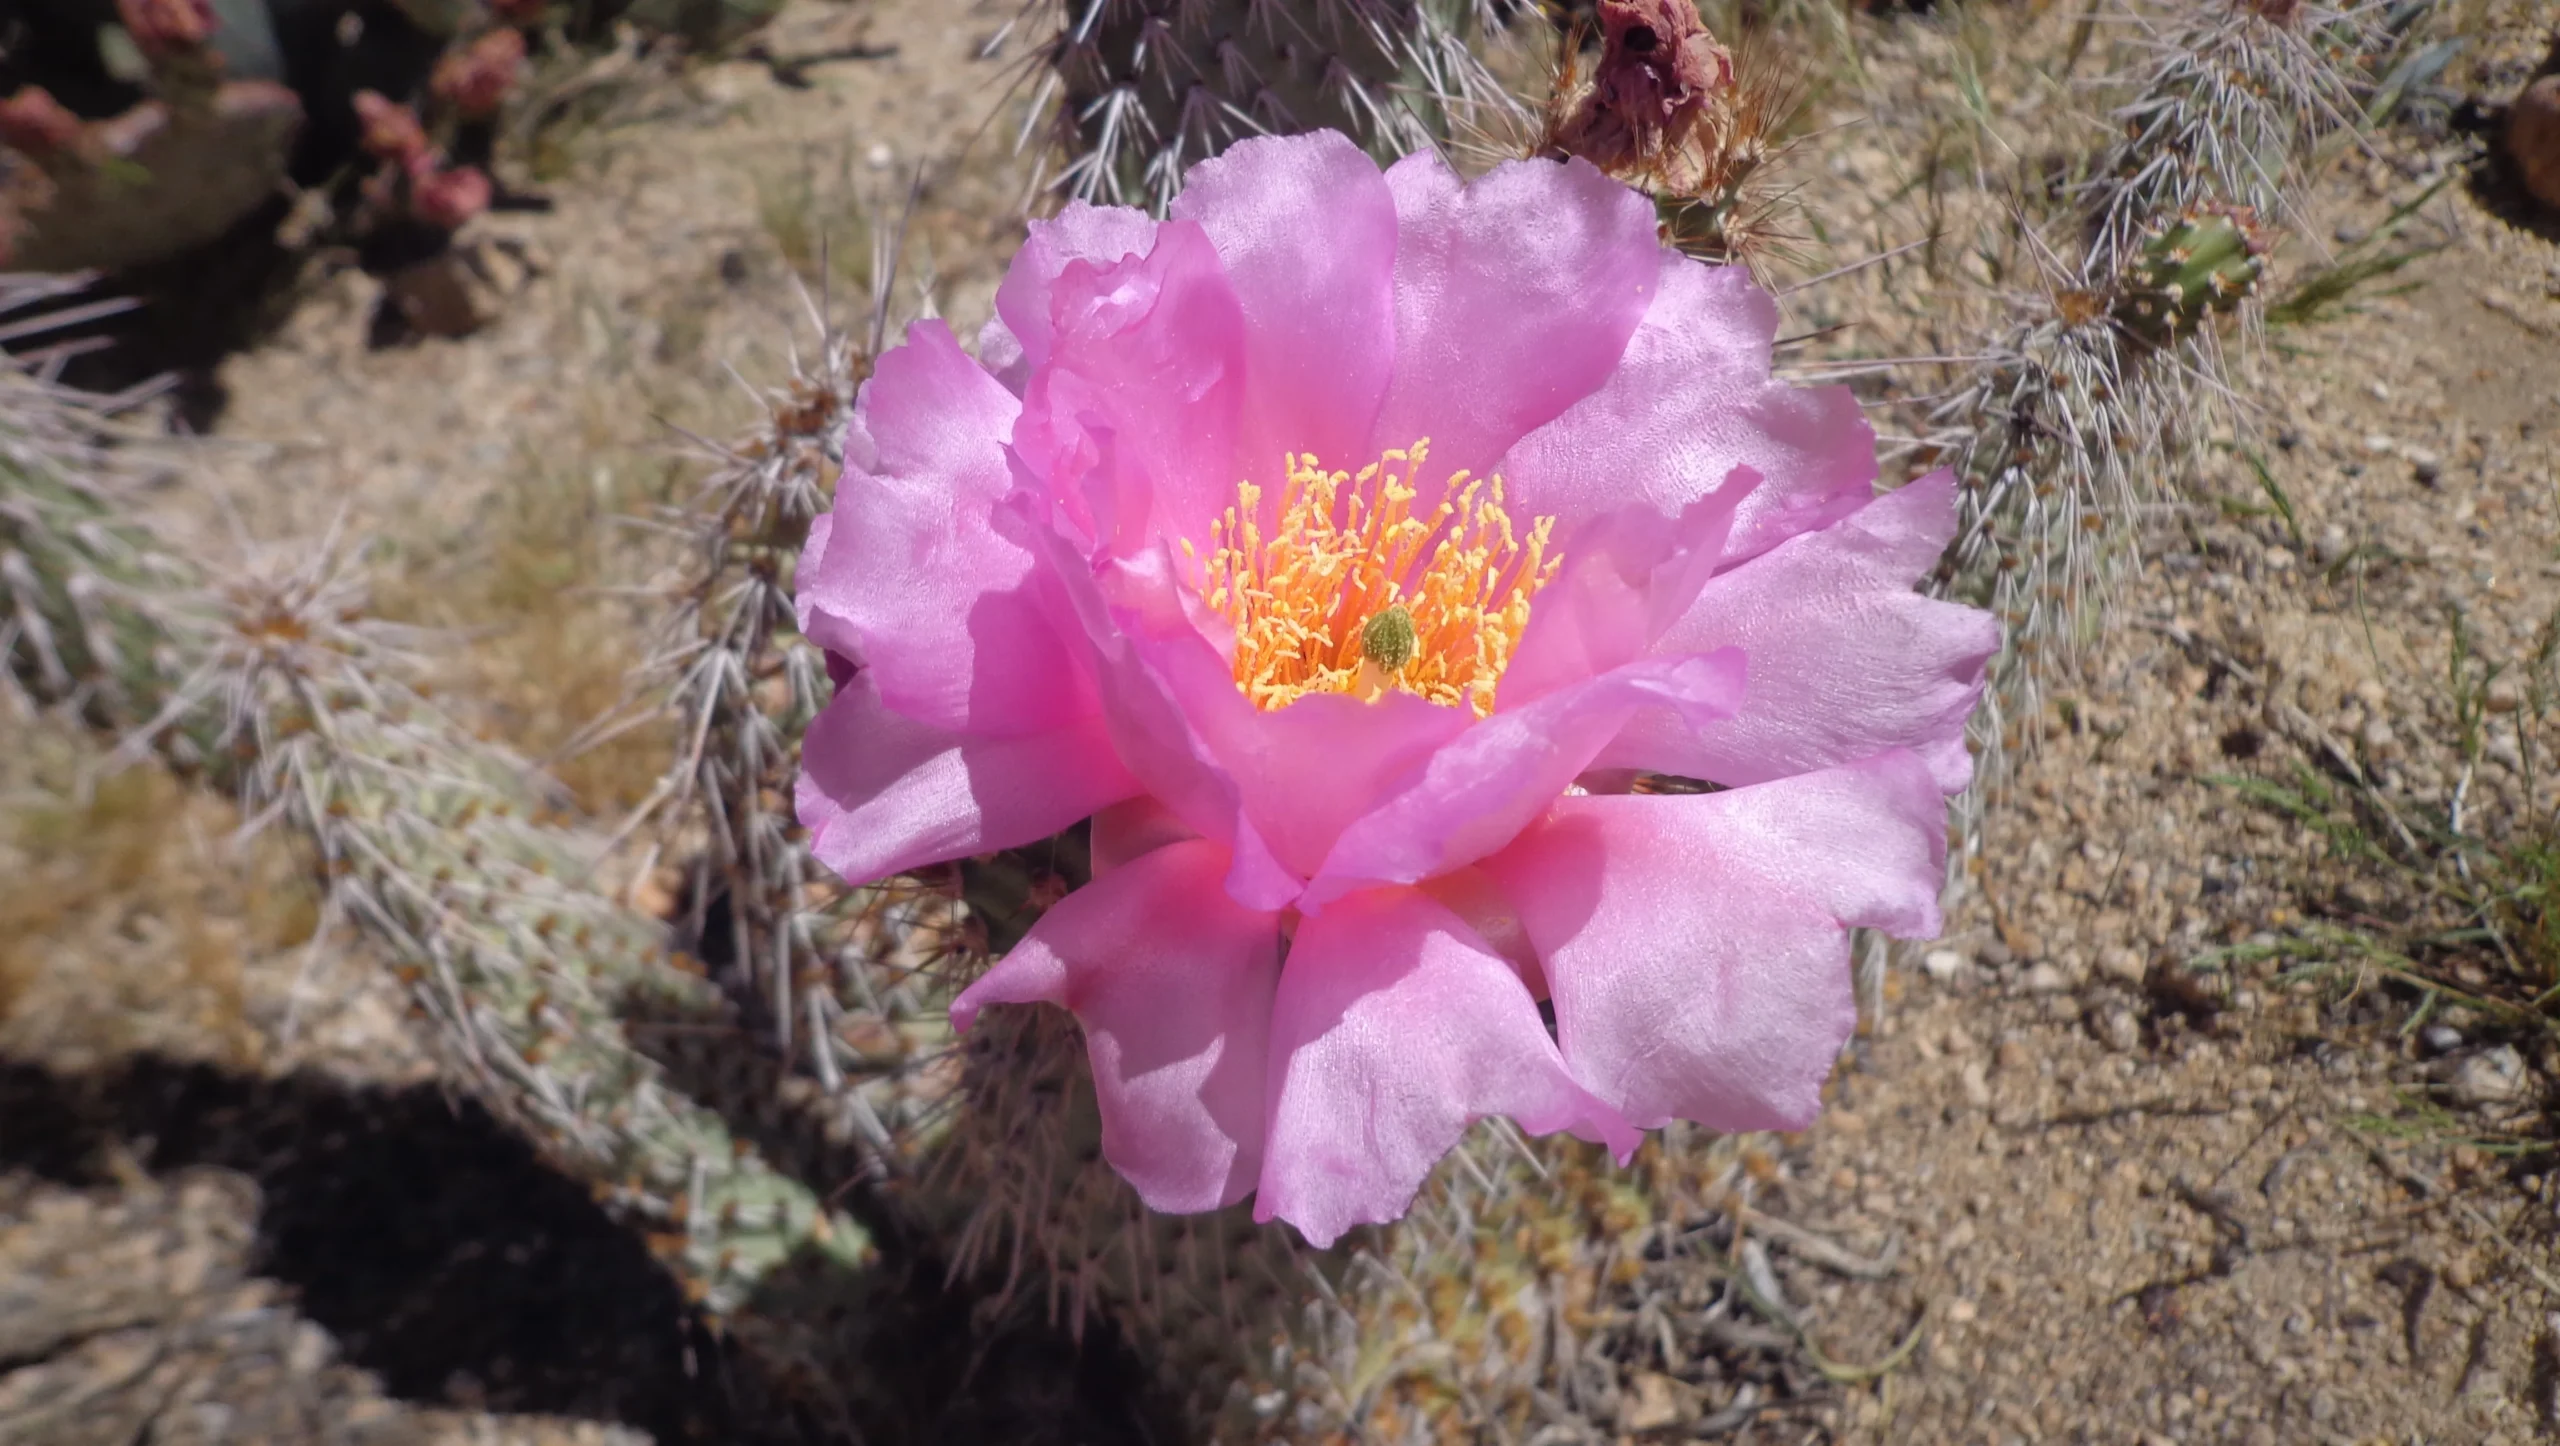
x=1020, y=330
x=1147, y=722
x=1396, y=1028
x=1307, y=230
x=1845, y=659
x=1628, y=575
x=1173, y=984
x=882, y=793
x=812, y=559
x=1476, y=793
x=1131, y=423
x=1285, y=782
x=907, y=578
x=1303, y=773
x=1697, y=947
x=1515, y=297
x=1691, y=400
x=1130, y=830
x=1480, y=904
x=1000, y=352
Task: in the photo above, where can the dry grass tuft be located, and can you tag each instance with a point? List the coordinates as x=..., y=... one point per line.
x=129, y=915
x=538, y=584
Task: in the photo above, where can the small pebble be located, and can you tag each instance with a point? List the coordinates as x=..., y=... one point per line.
x=310, y=1350
x=1942, y=964
x=2116, y=1028
x=2437, y=1039
x=1976, y=1084
x=2045, y=979
x=2491, y=1077
x=2121, y=964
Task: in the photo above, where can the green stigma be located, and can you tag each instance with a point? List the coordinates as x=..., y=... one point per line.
x=1387, y=639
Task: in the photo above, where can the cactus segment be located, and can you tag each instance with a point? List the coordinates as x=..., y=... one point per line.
x=2202, y=264
x=1143, y=90
x=439, y=849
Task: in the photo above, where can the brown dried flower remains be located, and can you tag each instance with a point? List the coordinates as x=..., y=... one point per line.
x=1658, y=74
x=1670, y=110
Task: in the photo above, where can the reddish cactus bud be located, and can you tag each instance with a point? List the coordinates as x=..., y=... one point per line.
x=391, y=130
x=34, y=122
x=166, y=27
x=447, y=197
x=474, y=80
x=517, y=12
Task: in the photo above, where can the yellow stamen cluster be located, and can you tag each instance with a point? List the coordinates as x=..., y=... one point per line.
x=1352, y=593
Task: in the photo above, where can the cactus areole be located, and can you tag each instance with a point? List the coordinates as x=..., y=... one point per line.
x=1344, y=546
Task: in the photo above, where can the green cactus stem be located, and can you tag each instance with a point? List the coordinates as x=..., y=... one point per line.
x=2202, y=264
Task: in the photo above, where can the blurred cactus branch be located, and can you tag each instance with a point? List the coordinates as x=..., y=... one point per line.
x=442, y=850
x=1137, y=92
x=88, y=599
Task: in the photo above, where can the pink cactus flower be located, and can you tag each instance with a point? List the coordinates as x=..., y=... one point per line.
x=1343, y=546
x=391, y=130
x=447, y=197
x=475, y=79
x=33, y=122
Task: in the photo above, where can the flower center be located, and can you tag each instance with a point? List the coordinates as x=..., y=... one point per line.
x=1352, y=593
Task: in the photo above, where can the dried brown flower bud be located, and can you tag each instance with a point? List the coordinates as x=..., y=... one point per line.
x=1658, y=70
